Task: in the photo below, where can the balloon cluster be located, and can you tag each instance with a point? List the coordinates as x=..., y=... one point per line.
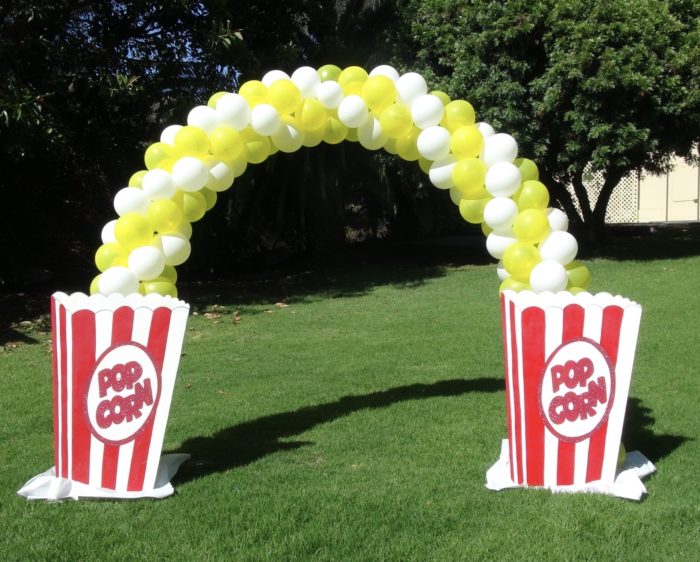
x=191, y=164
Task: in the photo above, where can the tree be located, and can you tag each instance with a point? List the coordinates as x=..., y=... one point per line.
x=606, y=86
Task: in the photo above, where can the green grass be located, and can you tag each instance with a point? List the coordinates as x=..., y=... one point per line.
x=358, y=422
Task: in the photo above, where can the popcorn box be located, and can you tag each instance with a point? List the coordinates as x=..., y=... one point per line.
x=115, y=360
x=568, y=366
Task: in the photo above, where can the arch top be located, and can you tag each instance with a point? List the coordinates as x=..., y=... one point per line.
x=382, y=109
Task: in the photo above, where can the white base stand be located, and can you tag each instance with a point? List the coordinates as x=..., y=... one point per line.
x=47, y=486
x=627, y=484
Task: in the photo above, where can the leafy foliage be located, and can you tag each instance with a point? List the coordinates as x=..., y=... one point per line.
x=584, y=86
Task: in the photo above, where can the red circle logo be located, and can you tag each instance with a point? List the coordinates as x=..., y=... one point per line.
x=577, y=389
x=123, y=393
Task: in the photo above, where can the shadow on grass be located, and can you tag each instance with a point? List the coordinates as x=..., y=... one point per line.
x=253, y=440
x=645, y=242
x=638, y=434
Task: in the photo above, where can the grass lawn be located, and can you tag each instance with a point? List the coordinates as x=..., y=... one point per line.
x=357, y=423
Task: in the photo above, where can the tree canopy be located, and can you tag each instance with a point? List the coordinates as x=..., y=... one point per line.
x=584, y=86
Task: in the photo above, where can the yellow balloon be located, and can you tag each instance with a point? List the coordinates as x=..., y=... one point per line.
x=254, y=92
x=136, y=178
x=531, y=225
x=468, y=175
x=335, y=131
x=157, y=152
x=532, y=195
x=133, y=230
x=166, y=164
x=424, y=164
x=513, y=285
x=407, y=145
x=458, y=113
x=472, y=210
x=528, y=169
x=169, y=273
x=192, y=203
x=579, y=275
x=396, y=120
x=444, y=98
x=390, y=146
x=284, y=96
x=257, y=146
x=210, y=198
x=164, y=215
x=313, y=138
x=191, y=141
x=160, y=285
x=226, y=143
x=311, y=115
x=519, y=259
x=215, y=98
x=95, y=285
x=329, y=72
x=109, y=255
x=351, y=79
x=379, y=92
x=352, y=135
x=466, y=142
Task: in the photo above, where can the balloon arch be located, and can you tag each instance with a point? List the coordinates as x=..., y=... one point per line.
x=567, y=357
x=191, y=164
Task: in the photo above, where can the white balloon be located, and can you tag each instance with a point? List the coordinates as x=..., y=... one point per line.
x=497, y=244
x=370, y=134
x=265, y=119
x=204, y=117
x=190, y=173
x=330, y=94
x=499, y=148
x=385, y=70
x=146, y=262
x=287, y=138
x=175, y=247
x=548, y=275
x=502, y=179
x=410, y=86
x=434, y=143
x=352, y=111
x=221, y=177
x=107, y=234
x=158, y=184
x=559, y=246
x=427, y=111
x=307, y=80
x=273, y=75
x=118, y=279
x=501, y=271
x=233, y=110
x=440, y=173
x=131, y=200
x=486, y=130
x=500, y=212
x=557, y=219
x=168, y=134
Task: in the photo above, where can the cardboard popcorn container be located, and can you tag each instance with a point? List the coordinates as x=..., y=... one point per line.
x=568, y=366
x=115, y=360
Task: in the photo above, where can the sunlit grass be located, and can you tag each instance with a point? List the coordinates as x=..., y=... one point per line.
x=357, y=423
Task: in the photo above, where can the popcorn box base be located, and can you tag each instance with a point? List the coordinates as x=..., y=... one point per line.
x=115, y=361
x=568, y=365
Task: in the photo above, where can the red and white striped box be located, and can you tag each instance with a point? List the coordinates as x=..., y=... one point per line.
x=568, y=366
x=115, y=360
